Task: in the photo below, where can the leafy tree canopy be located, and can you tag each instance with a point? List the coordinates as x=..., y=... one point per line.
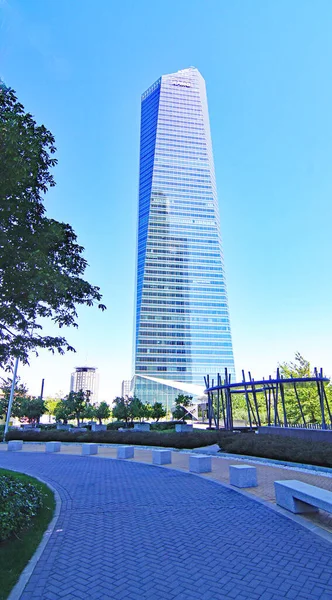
x=121, y=409
x=20, y=393
x=158, y=411
x=182, y=402
x=41, y=263
x=102, y=411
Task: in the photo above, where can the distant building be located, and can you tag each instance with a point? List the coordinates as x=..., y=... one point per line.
x=86, y=379
x=125, y=388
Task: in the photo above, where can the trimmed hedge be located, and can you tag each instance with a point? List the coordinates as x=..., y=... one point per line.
x=19, y=503
x=250, y=444
x=281, y=448
x=139, y=438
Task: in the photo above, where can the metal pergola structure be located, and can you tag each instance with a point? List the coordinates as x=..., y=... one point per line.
x=220, y=409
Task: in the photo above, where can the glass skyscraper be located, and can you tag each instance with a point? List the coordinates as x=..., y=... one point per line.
x=182, y=329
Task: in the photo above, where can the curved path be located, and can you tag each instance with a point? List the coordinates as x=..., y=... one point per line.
x=128, y=531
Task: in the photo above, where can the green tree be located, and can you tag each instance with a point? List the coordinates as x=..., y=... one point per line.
x=20, y=393
x=41, y=263
x=158, y=411
x=102, y=411
x=307, y=392
x=63, y=411
x=121, y=409
x=182, y=402
x=77, y=403
x=32, y=408
x=89, y=411
x=136, y=408
x=50, y=405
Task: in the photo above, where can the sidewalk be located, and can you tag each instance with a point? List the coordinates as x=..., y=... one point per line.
x=266, y=475
x=130, y=531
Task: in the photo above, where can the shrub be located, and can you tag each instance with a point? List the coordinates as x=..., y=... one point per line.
x=143, y=438
x=164, y=425
x=250, y=444
x=117, y=424
x=19, y=502
x=281, y=448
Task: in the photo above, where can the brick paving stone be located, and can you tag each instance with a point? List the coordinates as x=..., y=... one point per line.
x=129, y=531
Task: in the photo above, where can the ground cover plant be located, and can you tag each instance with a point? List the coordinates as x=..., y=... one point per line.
x=26, y=508
x=248, y=443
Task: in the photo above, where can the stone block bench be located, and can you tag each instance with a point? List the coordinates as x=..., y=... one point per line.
x=199, y=463
x=89, y=449
x=142, y=427
x=299, y=497
x=242, y=476
x=126, y=452
x=161, y=457
x=185, y=428
x=14, y=445
x=52, y=446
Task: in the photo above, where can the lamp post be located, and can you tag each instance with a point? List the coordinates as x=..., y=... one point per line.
x=11, y=397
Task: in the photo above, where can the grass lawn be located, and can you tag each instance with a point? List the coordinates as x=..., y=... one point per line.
x=17, y=551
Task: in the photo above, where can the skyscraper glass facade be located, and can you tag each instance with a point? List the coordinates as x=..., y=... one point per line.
x=182, y=329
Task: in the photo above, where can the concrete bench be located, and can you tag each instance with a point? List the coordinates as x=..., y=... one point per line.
x=300, y=497
x=52, y=446
x=185, y=428
x=142, y=427
x=126, y=452
x=161, y=457
x=242, y=476
x=199, y=463
x=14, y=445
x=89, y=449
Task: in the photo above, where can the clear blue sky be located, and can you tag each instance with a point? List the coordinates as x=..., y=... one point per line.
x=80, y=67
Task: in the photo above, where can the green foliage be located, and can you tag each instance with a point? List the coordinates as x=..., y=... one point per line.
x=63, y=411
x=19, y=502
x=157, y=411
x=74, y=406
x=165, y=425
x=121, y=409
x=32, y=409
x=41, y=264
x=16, y=551
x=102, y=411
x=250, y=444
x=50, y=405
x=139, y=410
x=20, y=394
x=307, y=392
x=280, y=448
x=181, y=403
x=129, y=409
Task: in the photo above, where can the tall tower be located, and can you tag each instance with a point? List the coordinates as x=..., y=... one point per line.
x=182, y=329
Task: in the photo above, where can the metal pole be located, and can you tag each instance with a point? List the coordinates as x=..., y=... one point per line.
x=247, y=398
x=42, y=389
x=300, y=405
x=282, y=395
x=11, y=397
x=321, y=399
x=258, y=420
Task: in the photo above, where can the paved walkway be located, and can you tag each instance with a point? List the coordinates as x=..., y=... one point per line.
x=129, y=531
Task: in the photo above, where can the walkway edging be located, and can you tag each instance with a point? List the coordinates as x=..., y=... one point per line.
x=23, y=580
